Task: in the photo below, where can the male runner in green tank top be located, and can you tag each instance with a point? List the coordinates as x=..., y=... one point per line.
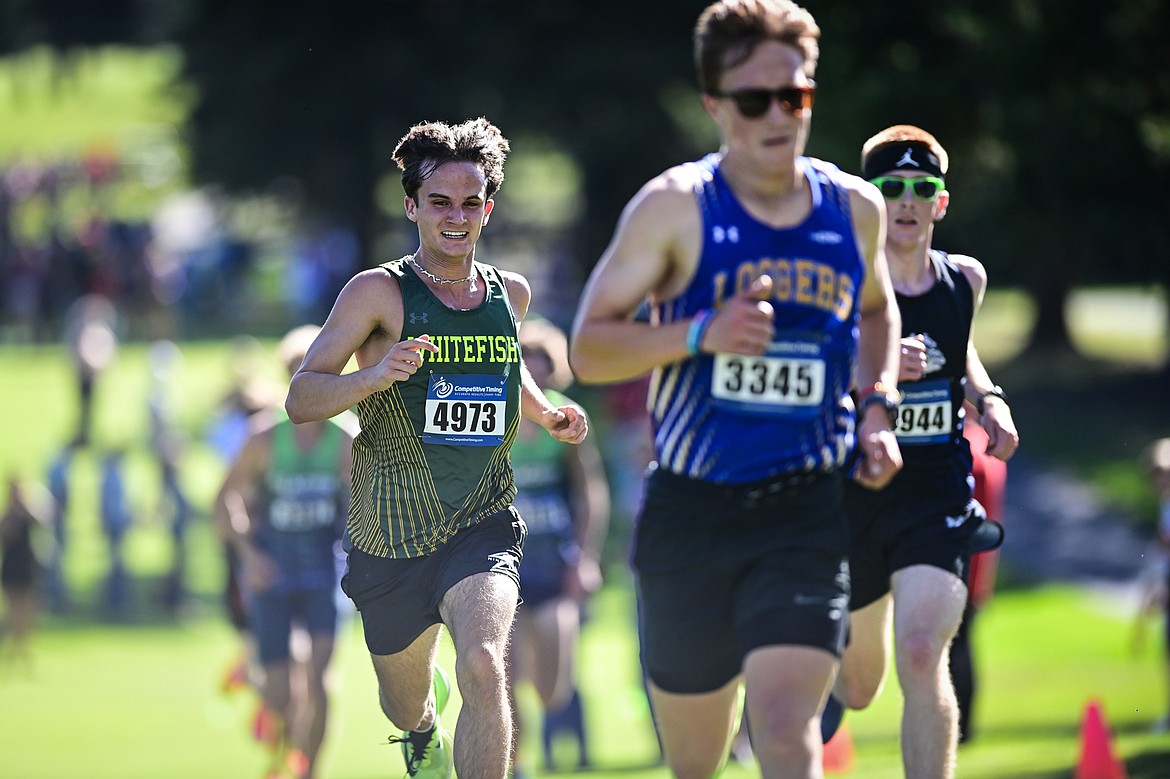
x=439, y=389
x=281, y=507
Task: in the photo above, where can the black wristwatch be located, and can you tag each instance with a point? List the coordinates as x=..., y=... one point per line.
x=994, y=392
x=889, y=399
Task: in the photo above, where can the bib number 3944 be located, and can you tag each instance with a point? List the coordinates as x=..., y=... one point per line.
x=465, y=410
x=925, y=414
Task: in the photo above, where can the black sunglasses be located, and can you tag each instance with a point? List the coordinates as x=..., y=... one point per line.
x=754, y=103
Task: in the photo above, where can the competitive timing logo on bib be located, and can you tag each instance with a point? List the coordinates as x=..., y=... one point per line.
x=480, y=387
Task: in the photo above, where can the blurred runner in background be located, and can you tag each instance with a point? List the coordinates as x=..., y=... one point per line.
x=283, y=506
x=563, y=497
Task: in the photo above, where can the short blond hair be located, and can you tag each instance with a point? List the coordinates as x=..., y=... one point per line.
x=539, y=334
x=292, y=348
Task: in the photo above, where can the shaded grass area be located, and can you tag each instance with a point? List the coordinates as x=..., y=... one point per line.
x=1092, y=418
x=1093, y=408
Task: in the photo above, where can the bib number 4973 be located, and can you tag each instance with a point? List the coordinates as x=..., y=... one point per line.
x=465, y=410
x=464, y=416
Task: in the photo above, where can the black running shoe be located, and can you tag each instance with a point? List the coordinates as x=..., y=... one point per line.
x=988, y=536
x=831, y=719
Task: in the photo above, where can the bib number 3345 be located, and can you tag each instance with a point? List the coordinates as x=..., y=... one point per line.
x=768, y=384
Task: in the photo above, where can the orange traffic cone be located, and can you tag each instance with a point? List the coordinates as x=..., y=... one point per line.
x=838, y=754
x=1097, y=760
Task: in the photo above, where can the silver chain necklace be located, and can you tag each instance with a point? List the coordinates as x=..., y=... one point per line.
x=440, y=280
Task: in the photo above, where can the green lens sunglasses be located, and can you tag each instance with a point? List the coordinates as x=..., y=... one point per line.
x=893, y=187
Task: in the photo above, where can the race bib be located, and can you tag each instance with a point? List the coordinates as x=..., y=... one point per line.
x=302, y=501
x=466, y=410
x=925, y=414
x=787, y=381
x=544, y=514
x=301, y=515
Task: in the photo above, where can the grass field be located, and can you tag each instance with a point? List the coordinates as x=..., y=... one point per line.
x=140, y=699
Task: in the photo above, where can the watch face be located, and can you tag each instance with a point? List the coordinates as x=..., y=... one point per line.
x=888, y=401
x=994, y=392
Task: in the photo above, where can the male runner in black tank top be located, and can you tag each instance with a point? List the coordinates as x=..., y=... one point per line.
x=912, y=541
x=439, y=389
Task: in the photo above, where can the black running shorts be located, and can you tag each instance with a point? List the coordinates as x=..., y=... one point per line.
x=399, y=598
x=719, y=576
x=272, y=615
x=924, y=520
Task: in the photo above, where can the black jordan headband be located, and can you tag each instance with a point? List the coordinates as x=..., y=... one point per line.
x=902, y=155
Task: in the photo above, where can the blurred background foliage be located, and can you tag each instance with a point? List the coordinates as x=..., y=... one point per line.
x=1056, y=113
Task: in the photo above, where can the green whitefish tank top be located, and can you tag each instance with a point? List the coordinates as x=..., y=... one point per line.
x=432, y=455
x=303, y=486
x=305, y=499
x=542, y=480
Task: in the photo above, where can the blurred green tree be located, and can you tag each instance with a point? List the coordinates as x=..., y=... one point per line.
x=1057, y=116
x=321, y=93
x=1057, y=112
x=68, y=24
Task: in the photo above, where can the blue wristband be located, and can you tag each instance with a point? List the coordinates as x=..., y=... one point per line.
x=697, y=330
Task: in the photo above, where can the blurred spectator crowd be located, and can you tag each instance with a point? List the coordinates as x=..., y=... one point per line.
x=59, y=242
x=173, y=264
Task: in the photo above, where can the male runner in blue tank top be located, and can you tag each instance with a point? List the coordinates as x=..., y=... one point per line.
x=769, y=297
x=912, y=541
x=282, y=506
x=439, y=389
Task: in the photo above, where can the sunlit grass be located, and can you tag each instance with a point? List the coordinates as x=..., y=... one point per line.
x=1115, y=324
x=142, y=701
x=111, y=97
x=1122, y=324
x=111, y=104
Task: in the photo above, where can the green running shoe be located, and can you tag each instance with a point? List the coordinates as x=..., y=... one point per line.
x=429, y=755
x=442, y=689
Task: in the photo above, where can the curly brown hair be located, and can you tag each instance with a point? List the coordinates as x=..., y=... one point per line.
x=428, y=145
